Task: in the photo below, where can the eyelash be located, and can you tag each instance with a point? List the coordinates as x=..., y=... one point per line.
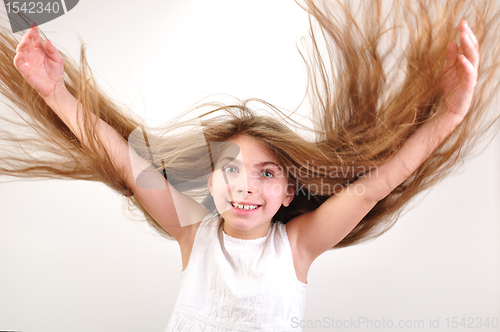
x=268, y=171
x=226, y=168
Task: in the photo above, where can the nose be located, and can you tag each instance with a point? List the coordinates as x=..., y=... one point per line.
x=246, y=190
x=244, y=184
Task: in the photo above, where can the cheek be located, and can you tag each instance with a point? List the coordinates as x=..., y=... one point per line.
x=275, y=190
x=217, y=182
x=220, y=190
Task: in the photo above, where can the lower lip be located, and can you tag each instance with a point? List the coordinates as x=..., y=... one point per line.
x=241, y=211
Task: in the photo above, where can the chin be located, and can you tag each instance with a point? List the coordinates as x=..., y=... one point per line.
x=242, y=224
x=236, y=222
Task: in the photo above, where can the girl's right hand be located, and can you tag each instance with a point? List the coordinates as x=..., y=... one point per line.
x=40, y=64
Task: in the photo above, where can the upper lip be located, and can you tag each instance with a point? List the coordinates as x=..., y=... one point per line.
x=246, y=203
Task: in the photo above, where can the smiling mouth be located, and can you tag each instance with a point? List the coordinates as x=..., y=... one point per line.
x=245, y=207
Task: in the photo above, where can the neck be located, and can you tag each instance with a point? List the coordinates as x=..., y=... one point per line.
x=249, y=234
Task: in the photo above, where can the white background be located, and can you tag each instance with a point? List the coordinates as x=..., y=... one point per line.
x=70, y=259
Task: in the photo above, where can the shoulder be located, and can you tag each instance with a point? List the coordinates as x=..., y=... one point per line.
x=208, y=224
x=187, y=242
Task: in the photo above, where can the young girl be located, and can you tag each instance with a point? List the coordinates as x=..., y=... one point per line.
x=377, y=142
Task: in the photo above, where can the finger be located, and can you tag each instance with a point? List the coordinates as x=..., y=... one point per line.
x=24, y=43
x=468, y=49
x=20, y=63
x=37, y=40
x=21, y=57
x=465, y=27
x=469, y=44
x=17, y=61
x=52, y=51
x=469, y=72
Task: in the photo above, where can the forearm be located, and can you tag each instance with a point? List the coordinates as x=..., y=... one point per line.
x=68, y=109
x=412, y=155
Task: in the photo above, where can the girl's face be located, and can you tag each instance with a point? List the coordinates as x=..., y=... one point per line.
x=248, y=189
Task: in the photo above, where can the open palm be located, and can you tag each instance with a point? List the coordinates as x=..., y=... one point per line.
x=40, y=64
x=461, y=70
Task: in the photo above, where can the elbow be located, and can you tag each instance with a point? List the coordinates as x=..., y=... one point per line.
x=374, y=198
x=381, y=196
x=373, y=190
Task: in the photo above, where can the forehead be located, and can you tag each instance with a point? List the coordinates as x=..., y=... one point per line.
x=247, y=150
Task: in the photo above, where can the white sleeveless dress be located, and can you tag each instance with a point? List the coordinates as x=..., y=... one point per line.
x=234, y=284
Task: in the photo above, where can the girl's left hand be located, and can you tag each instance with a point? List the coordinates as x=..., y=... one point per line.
x=461, y=70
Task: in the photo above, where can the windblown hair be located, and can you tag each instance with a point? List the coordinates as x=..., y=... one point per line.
x=375, y=73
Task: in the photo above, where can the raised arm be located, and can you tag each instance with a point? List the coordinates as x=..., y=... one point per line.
x=42, y=66
x=319, y=230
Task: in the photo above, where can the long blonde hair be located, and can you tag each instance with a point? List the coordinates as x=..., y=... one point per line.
x=374, y=76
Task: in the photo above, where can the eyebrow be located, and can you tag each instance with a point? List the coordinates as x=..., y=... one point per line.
x=264, y=163
x=269, y=163
x=228, y=158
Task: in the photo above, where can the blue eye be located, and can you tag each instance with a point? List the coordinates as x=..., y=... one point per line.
x=230, y=169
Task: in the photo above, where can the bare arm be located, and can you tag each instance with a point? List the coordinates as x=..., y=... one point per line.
x=319, y=230
x=42, y=66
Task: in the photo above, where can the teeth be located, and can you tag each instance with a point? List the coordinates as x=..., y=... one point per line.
x=244, y=207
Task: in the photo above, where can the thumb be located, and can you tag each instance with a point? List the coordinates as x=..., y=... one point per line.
x=52, y=51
